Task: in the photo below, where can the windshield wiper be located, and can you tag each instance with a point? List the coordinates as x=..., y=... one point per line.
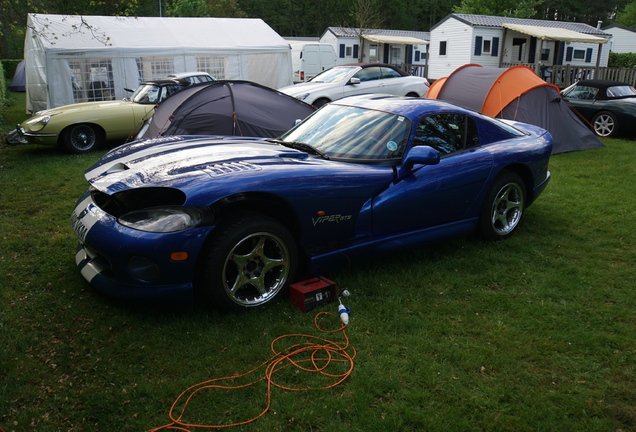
x=300, y=146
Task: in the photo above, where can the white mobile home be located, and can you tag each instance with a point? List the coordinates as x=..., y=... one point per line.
x=623, y=39
x=491, y=41
x=396, y=47
x=67, y=56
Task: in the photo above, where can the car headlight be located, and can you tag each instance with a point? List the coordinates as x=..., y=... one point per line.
x=163, y=219
x=38, y=123
x=303, y=96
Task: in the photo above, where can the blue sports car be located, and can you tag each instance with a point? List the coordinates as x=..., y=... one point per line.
x=237, y=219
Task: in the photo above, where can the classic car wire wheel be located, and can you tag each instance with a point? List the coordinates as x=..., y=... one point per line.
x=256, y=269
x=81, y=138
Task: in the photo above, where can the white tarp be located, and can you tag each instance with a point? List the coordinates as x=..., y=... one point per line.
x=555, y=33
x=67, y=54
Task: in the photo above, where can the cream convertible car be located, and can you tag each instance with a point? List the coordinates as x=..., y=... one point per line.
x=82, y=127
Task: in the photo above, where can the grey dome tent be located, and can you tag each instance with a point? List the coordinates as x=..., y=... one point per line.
x=516, y=93
x=240, y=108
x=18, y=83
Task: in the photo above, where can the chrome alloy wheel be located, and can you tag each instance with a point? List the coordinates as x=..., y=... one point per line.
x=507, y=209
x=256, y=269
x=604, y=124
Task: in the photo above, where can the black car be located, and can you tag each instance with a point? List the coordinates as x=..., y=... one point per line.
x=609, y=106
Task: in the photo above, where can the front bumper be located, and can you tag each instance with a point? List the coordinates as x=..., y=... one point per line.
x=109, y=255
x=37, y=138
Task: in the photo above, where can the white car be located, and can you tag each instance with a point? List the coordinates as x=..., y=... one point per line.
x=354, y=79
x=193, y=77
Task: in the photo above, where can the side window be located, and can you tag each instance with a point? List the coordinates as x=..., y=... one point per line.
x=582, y=93
x=389, y=73
x=369, y=74
x=447, y=133
x=169, y=90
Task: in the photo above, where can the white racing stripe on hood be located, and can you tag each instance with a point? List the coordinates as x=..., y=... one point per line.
x=170, y=144
x=84, y=216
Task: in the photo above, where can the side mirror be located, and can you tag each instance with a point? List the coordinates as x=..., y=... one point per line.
x=423, y=155
x=354, y=81
x=129, y=90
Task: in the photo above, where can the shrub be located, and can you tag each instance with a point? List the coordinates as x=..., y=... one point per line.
x=3, y=88
x=622, y=60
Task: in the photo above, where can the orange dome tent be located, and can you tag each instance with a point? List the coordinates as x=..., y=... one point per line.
x=516, y=93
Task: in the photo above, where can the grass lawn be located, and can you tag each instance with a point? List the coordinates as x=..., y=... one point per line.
x=535, y=333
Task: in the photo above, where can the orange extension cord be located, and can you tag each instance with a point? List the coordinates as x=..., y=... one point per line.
x=320, y=353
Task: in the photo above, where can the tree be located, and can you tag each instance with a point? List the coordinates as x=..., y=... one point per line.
x=13, y=17
x=627, y=17
x=364, y=16
x=205, y=8
x=508, y=8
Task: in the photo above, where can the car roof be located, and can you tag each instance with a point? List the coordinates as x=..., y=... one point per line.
x=366, y=65
x=401, y=105
x=602, y=84
x=166, y=81
x=188, y=74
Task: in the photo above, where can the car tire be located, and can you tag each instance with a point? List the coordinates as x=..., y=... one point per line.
x=248, y=263
x=503, y=207
x=605, y=124
x=320, y=102
x=81, y=138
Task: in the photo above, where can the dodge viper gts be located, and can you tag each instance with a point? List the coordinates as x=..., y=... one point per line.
x=235, y=220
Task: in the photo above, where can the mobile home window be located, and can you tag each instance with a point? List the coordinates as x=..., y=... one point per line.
x=442, y=48
x=545, y=54
x=349, y=51
x=487, y=46
x=578, y=54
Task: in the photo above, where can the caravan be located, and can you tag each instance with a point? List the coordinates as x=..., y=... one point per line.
x=309, y=59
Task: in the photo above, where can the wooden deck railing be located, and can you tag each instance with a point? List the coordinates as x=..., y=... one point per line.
x=565, y=75
x=561, y=76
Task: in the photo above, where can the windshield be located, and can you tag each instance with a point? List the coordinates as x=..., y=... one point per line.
x=345, y=132
x=621, y=91
x=147, y=94
x=333, y=75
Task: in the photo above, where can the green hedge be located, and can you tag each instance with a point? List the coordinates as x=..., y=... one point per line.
x=9, y=68
x=3, y=89
x=622, y=60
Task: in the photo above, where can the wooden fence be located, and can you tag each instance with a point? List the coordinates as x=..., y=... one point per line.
x=561, y=76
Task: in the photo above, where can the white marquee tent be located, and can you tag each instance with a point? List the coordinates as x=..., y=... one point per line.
x=72, y=58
